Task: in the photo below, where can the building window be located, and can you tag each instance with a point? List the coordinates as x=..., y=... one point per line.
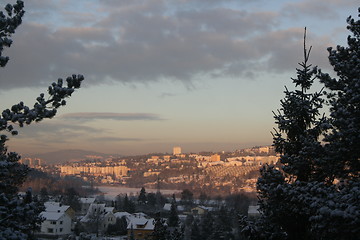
x=53, y=222
x=50, y=230
x=61, y=222
x=61, y=229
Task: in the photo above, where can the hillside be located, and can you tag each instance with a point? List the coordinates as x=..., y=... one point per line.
x=69, y=155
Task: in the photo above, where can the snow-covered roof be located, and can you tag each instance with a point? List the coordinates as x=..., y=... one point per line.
x=100, y=206
x=253, y=209
x=87, y=200
x=121, y=214
x=139, y=214
x=52, y=216
x=206, y=208
x=167, y=207
x=137, y=221
x=109, y=209
x=140, y=223
x=55, y=207
x=97, y=208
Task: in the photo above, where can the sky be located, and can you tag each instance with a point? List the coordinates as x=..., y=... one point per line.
x=204, y=75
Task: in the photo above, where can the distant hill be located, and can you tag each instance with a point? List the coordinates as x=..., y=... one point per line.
x=69, y=155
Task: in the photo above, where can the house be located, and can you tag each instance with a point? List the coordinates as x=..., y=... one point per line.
x=58, y=220
x=140, y=225
x=58, y=207
x=85, y=204
x=201, y=210
x=98, y=217
x=179, y=208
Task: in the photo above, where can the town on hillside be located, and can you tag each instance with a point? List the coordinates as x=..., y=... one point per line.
x=221, y=173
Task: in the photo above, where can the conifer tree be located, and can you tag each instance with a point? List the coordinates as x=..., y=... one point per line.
x=300, y=120
x=176, y=235
x=195, y=231
x=207, y=225
x=20, y=217
x=142, y=196
x=343, y=148
x=299, y=128
x=129, y=205
x=160, y=228
x=301, y=200
x=173, y=220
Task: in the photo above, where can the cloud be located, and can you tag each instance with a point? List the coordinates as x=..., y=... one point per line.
x=91, y=116
x=325, y=9
x=54, y=132
x=137, y=41
x=145, y=41
x=167, y=94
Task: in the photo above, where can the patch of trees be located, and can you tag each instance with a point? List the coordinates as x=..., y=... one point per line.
x=54, y=185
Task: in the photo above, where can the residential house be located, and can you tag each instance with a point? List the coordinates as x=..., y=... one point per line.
x=56, y=207
x=85, y=204
x=179, y=208
x=98, y=217
x=58, y=220
x=140, y=225
x=201, y=210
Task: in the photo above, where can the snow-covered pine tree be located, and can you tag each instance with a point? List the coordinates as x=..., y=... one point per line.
x=311, y=205
x=300, y=124
x=343, y=148
x=20, y=217
x=9, y=21
x=338, y=211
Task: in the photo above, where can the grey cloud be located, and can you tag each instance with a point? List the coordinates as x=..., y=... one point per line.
x=317, y=9
x=309, y=8
x=55, y=132
x=144, y=41
x=90, y=116
x=167, y=94
x=283, y=49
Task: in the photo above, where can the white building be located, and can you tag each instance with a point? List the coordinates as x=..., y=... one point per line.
x=85, y=204
x=58, y=222
x=55, y=224
x=99, y=217
x=176, y=151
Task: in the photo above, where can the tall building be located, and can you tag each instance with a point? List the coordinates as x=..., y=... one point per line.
x=215, y=158
x=37, y=162
x=176, y=150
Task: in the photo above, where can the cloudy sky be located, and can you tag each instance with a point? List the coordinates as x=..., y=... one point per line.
x=201, y=74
